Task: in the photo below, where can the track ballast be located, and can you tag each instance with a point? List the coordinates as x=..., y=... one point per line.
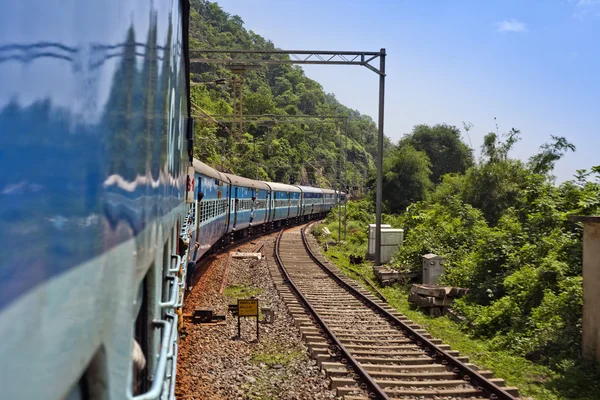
x=366, y=347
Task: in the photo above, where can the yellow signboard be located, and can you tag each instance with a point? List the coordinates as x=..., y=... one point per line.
x=248, y=307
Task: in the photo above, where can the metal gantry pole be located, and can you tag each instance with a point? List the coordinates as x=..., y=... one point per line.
x=346, y=179
x=362, y=58
x=379, y=196
x=237, y=103
x=255, y=160
x=340, y=186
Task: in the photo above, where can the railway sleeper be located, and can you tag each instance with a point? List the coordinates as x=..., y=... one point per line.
x=353, y=342
x=347, y=391
x=446, y=375
x=358, y=347
x=341, y=305
x=410, y=368
x=350, y=337
x=456, y=384
x=403, y=361
x=344, y=312
x=384, y=336
x=463, y=392
x=392, y=354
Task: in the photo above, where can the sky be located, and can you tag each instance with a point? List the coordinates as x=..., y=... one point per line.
x=532, y=65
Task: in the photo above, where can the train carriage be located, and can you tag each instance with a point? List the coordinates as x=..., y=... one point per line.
x=94, y=228
x=329, y=199
x=248, y=203
x=312, y=201
x=284, y=201
x=212, y=196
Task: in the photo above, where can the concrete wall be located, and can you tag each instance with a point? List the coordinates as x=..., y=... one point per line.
x=591, y=288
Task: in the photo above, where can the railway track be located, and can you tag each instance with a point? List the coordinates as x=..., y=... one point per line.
x=365, y=347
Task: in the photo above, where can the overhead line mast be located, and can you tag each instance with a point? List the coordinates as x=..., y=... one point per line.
x=233, y=58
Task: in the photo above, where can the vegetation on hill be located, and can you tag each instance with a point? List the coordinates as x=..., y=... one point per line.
x=503, y=228
x=306, y=152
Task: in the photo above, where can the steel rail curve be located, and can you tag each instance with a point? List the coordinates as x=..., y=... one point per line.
x=375, y=390
x=464, y=371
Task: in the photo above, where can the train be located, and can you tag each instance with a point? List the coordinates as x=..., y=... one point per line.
x=229, y=207
x=102, y=205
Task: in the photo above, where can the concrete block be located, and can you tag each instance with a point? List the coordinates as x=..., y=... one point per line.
x=252, y=256
x=433, y=268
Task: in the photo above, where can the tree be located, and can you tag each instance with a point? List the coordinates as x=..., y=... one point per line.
x=543, y=162
x=494, y=150
x=405, y=177
x=443, y=145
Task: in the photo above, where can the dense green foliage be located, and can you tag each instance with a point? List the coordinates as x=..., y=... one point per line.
x=405, y=177
x=504, y=231
x=443, y=145
x=503, y=228
x=308, y=151
x=419, y=160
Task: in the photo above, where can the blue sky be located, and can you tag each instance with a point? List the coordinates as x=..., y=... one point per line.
x=534, y=65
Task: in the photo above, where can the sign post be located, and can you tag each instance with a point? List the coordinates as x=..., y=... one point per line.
x=247, y=308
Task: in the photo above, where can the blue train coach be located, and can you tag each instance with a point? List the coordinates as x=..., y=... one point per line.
x=94, y=151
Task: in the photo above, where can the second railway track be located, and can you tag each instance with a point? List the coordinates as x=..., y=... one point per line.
x=367, y=348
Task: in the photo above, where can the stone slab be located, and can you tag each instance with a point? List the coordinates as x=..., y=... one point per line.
x=253, y=256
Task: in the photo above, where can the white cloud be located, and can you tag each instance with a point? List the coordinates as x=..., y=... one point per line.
x=511, y=25
x=584, y=3
x=583, y=7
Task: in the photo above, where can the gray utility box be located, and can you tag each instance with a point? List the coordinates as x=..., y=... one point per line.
x=433, y=268
x=391, y=239
x=371, y=244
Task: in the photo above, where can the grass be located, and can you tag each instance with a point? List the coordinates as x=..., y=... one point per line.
x=273, y=355
x=573, y=380
x=276, y=357
x=241, y=291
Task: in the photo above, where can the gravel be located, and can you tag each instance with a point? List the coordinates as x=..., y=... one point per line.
x=215, y=364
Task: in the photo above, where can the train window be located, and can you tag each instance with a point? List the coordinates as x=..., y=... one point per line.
x=175, y=235
x=93, y=384
x=140, y=350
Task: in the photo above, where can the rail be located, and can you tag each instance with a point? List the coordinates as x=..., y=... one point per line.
x=375, y=389
x=464, y=371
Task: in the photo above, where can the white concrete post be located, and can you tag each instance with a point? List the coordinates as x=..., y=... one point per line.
x=591, y=286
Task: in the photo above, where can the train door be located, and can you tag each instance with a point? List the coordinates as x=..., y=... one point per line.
x=229, y=206
x=235, y=206
x=273, y=205
x=197, y=217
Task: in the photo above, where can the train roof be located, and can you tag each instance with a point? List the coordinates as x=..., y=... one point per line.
x=282, y=187
x=245, y=182
x=310, y=189
x=328, y=191
x=204, y=169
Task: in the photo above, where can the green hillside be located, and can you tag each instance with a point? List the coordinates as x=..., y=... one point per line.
x=305, y=152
